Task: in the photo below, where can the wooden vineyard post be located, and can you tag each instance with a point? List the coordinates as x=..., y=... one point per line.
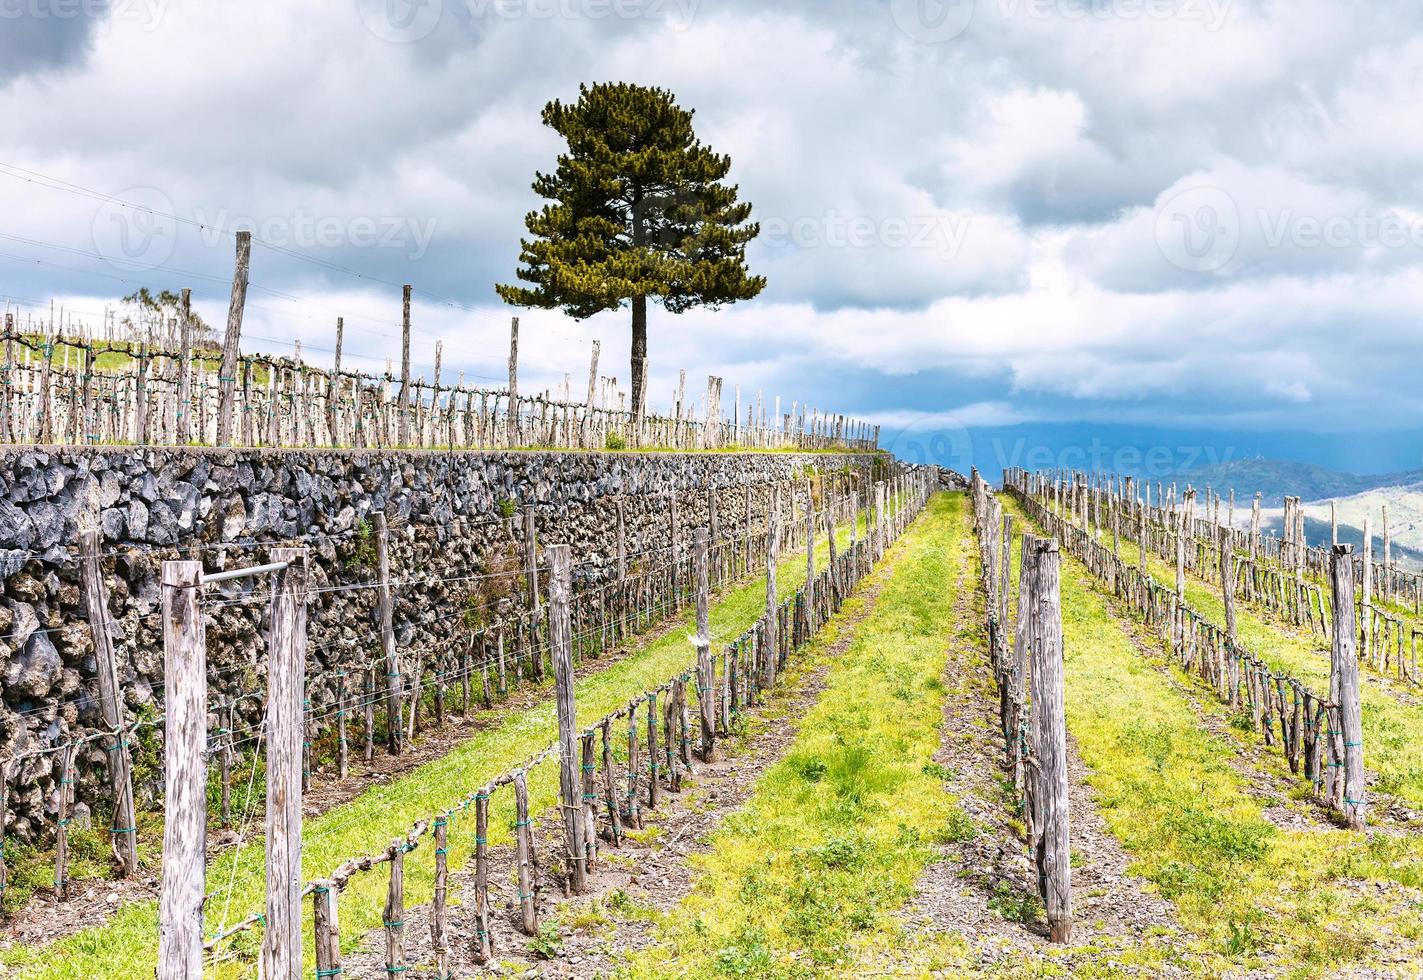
x=63, y=814
x=531, y=571
x=403, y=430
x=180, y=930
x=227, y=374
x=634, y=819
x=393, y=920
x=615, y=827
x=1050, y=745
x=439, y=917
x=333, y=388
x=560, y=559
x=528, y=912
x=1227, y=583
x=706, y=668
x=4, y=812
x=654, y=786
x=394, y=729
x=773, y=555
x=326, y=927
x=343, y=748
x=184, y=429
x=483, y=950
x=7, y=383
x=1344, y=684
x=590, y=802
x=511, y=418
x=286, y=685
x=140, y=414
x=809, y=561
x=96, y=605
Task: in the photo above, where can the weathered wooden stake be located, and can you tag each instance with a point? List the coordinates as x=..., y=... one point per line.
x=483, y=948
x=227, y=374
x=773, y=557
x=123, y=835
x=528, y=921
x=386, y=606
x=1050, y=746
x=403, y=436
x=706, y=667
x=286, y=684
x=560, y=634
x=439, y=918
x=180, y=929
x=326, y=927
x=1345, y=683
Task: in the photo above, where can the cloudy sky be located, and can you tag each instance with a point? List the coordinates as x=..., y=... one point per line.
x=994, y=226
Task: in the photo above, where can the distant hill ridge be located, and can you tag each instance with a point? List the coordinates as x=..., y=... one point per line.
x=1278, y=479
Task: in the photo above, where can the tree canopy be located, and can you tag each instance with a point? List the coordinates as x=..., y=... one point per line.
x=637, y=210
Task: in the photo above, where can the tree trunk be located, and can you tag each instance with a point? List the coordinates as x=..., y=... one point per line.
x=639, y=354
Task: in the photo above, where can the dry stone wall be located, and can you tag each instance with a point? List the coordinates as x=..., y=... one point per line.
x=457, y=552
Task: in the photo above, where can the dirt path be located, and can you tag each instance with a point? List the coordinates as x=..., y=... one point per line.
x=647, y=875
x=983, y=889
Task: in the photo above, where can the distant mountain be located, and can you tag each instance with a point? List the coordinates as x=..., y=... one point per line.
x=1278, y=479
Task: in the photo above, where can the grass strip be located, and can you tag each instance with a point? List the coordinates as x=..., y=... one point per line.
x=1255, y=895
x=1393, y=728
x=832, y=840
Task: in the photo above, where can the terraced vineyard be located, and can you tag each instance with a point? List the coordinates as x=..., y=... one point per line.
x=862, y=818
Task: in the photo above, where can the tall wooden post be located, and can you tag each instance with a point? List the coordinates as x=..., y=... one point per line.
x=227, y=375
x=286, y=722
x=809, y=560
x=403, y=424
x=386, y=610
x=333, y=390
x=773, y=556
x=706, y=667
x=512, y=424
x=96, y=605
x=1227, y=582
x=1050, y=746
x=560, y=634
x=1344, y=686
x=7, y=383
x=180, y=929
x=184, y=431
x=531, y=572
x=1366, y=579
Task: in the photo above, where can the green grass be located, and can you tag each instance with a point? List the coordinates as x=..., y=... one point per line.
x=1393, y=729
x=126, y=947
x=1300, y=902
x=808, y=873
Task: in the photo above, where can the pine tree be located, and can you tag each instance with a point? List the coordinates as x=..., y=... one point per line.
x=637, y=210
